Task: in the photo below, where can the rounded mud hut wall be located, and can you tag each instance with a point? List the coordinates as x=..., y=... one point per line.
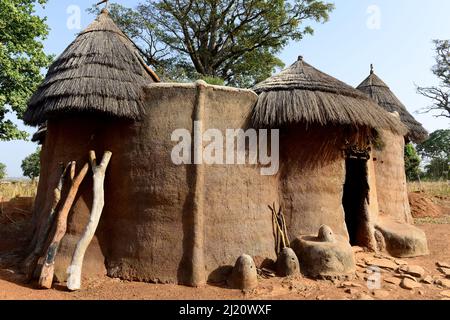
x=392, y=190
x=312, y=178
x=162, y=222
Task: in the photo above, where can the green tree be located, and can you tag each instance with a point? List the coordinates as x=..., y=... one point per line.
x=437, y=150
x=234, y=40
x=437, y=169
x=21, y=59
x=2, y=171
x=412, y=163
x=31, y=165
x=440, y=94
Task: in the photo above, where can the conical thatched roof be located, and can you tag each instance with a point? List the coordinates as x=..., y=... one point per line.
x=375, y=88
x=303, y=94
x=101, y=71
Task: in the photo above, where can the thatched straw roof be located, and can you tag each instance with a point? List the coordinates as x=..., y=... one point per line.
x=101, y=71
x=375, y=88
x=40, y=135
x=303, y=94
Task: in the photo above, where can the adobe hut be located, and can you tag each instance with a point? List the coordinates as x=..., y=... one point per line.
x=388, y=158
x=161, y=222
x=327, y=130
x=171, y=222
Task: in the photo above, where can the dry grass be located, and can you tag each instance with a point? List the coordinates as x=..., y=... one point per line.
x=439, y=192
x=435, y=188
x=12, y=189
x=430, y=220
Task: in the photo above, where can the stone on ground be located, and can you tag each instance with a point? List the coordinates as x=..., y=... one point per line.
x=415, y=271
x=349, y=284
x=393, y=280
x=410, y=284
x=351, y=291
x=443, y=264
x=428, y=280
x=445, y=271
x=383, y=263
x=445, y=283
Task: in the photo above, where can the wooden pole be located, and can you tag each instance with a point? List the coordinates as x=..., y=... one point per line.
x=43, y=232
x=99, y=171
x=46, y=277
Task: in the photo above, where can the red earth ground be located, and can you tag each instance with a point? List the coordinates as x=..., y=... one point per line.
x=13, y=286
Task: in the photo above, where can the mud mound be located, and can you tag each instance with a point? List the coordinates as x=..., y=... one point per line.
x=423, y=207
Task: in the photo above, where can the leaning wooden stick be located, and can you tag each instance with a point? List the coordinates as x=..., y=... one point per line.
x=43, y=233
x=74, y=271
x=46, y=277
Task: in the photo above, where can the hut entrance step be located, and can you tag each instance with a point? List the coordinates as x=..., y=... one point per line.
x=355, y=201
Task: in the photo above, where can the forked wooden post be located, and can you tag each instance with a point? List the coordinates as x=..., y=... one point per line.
x=74, y=271
x=43, y=233
x=46, y=277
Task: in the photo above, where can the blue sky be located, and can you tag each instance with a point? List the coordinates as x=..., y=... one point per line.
x=394, y=35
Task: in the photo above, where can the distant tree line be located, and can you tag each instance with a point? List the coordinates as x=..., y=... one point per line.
x=30, y=166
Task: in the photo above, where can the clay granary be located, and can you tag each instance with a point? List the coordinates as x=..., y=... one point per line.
x=186, y=221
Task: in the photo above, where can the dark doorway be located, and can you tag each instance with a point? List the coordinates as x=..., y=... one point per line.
x=355, y=201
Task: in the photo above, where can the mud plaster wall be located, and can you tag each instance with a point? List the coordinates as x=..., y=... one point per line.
x=312, y=180
x=392, y=189
x=237, y=217
x=148, y=230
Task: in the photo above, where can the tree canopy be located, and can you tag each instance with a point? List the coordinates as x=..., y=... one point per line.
x=31, y=165
x=412, y=163
x=437, y=150
x=2, y=171
x=234, y=40
x=21, y=59
x=440, y=94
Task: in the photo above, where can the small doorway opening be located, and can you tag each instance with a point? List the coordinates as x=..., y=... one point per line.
x=355, y=200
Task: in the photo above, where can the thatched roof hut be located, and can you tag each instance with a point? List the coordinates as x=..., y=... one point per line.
x=375, y=88
x=303, y=94
x=101, y=71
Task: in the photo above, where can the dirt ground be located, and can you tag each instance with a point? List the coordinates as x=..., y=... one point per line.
x=13, y=286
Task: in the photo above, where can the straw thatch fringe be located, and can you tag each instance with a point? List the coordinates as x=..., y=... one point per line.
x=303, y=94
x=375, y=88
x=278, y=108
x=101, y=71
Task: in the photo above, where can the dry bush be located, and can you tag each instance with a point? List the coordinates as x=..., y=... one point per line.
x=432, y=188
x=16, y=200
x=12, y=189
